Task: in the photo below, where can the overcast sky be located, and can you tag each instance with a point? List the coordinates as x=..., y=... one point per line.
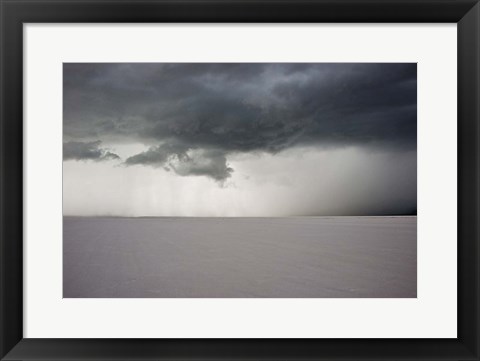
x=239, y=139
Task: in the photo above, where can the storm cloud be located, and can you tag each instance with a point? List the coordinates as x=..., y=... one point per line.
x=87, y=151
x=185, y=162
x=241, y=138
x=236, y=108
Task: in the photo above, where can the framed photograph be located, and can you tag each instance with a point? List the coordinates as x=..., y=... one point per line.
x=239, y=180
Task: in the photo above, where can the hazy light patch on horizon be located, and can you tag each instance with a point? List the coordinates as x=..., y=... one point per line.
x=300, y=182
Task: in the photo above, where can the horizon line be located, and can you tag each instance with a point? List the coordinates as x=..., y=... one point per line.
x=333, y=216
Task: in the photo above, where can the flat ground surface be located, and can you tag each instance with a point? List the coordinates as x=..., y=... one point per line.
x=240, y=257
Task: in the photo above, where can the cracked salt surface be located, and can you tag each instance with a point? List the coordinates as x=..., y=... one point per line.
x=240, y=257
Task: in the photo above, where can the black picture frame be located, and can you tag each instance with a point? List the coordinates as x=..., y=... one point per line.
x=14, y=13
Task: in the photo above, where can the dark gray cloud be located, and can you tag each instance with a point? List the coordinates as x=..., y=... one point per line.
x=183, y=162
x=159, y=156
x=194, y=115
x=87, y=151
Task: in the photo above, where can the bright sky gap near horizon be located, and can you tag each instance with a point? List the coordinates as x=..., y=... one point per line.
x=239, y=139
